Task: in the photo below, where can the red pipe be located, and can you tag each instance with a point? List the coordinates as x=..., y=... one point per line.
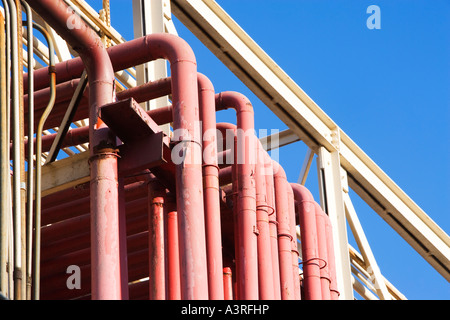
x=211, y=193
x=322, y=251
x=284, y=232
x=294, y=248
x=265, y=273
x=227, y=283
x=156, y=242
x=307, y=221
x=173, y=258
x=105, y=247
x=229, y=131
x=246, y=217
x=268, y=169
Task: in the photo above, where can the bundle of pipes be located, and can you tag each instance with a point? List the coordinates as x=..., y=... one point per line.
x=196, y=229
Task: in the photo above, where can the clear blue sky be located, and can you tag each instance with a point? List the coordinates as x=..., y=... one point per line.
x=388, y=89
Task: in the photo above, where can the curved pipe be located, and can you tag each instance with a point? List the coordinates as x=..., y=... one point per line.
x=307, y=221
x=211, y=190
x=246, y=217
x=284, y=232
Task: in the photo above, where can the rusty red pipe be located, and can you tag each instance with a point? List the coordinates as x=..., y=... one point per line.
x=227, y=283
x=246, y=218
x=265, y=271
x=284, y=232
x=211, y=193
x=156, y=242
x=106, y=283
x=307, y=221
x=268, y=169
x=173, y=258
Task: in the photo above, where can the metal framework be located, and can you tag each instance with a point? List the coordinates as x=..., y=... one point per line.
x=341, y=164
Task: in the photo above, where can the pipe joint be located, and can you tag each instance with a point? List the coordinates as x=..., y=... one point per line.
x=287, y=235
x=104, y=153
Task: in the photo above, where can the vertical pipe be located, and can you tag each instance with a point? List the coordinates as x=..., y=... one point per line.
x=123, y=240
x=284, y=233
x=156, y=241
x=105, y=248
x=4, y=162
x=30, y=147
x=294, y=250
x=308, y=230
x=211, y=194
x=227, y=283
x=265, y=273
x=246, y=197
x=173, y=257
x=322, y=253
x=37, y=233
x=268, y=174
x=231, y=144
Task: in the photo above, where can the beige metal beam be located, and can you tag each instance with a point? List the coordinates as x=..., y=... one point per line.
x=279, y=139
x=65, y=173
x=364, y=248
x=332, y=202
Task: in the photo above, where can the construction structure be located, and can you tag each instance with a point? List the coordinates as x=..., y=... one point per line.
x=157, y=200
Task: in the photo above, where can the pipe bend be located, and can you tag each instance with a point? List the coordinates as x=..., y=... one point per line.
x=204, y=83
x=151, y=47
x=301, y=193
x=278, y=171
x=234, y=100
x=81, y=37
